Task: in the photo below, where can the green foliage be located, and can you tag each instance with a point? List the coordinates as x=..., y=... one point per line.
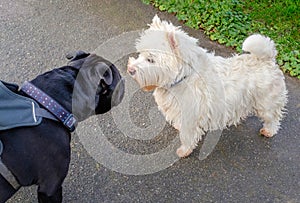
x=279, y=19
x=290, y=63
x=230, y=21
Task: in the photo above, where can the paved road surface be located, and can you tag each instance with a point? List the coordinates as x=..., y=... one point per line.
x=243, y=167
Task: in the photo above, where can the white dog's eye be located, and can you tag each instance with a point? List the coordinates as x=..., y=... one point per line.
x=150, y=60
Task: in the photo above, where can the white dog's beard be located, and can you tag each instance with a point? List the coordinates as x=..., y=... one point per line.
x=156, y=77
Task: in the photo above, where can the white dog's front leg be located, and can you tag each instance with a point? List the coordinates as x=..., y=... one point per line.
x=189, y=138
x=184, y=151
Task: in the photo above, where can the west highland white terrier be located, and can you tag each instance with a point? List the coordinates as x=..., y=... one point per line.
x=199, y=92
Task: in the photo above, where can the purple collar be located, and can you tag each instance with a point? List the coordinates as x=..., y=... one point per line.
x=51, y=105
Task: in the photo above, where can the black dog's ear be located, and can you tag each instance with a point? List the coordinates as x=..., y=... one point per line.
x=76, y=58
x=72, y=56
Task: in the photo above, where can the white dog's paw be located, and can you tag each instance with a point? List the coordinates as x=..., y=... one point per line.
x=265, y=132
x=183, y=151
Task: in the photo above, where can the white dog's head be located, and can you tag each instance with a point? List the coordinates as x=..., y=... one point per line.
x=161, y=61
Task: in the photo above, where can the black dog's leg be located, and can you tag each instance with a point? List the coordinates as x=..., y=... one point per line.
x=54, y=198
x=6, y=190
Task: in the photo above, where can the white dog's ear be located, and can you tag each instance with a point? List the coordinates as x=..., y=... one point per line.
x=156, y=22
x=172, y=40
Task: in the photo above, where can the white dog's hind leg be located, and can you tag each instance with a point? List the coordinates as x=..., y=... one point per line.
x=269, y=127
x=270, y=110
x=271, y=116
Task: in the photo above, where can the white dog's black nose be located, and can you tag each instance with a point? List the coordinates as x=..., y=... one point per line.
x=131, y=70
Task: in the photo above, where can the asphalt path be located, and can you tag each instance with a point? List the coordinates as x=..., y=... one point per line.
x=128, y=155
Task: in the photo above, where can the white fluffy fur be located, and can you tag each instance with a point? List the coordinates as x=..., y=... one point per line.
x=198, y=91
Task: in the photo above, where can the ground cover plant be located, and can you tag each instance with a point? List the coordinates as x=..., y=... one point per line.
x=230, y=21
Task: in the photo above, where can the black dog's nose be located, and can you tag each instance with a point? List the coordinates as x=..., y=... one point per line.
x=72, y=56
x=118, y=93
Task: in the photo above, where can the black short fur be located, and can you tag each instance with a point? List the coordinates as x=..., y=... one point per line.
x=40, y=155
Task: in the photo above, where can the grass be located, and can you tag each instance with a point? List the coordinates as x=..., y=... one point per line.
x=230, y=21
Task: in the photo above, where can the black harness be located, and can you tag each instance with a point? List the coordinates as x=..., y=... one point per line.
x=60, y=113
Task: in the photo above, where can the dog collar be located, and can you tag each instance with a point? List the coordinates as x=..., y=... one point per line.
x=68, y=119
x=177, y=82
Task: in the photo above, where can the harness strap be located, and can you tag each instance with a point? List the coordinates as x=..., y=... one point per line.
x=6, y=173
x=67, y=118
x=45, y=114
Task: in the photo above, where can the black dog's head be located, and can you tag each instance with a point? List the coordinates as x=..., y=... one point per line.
x=88, y=85
x=99, y=77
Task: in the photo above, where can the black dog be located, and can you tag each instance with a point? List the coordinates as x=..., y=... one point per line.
x=40, y=154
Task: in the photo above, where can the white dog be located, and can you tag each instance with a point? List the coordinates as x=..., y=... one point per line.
x=199, y=92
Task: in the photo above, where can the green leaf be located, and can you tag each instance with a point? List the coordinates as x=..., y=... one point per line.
x=231, y=21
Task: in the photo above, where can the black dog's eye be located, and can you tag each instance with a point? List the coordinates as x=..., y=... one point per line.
x=105, y=74
x=150, y=60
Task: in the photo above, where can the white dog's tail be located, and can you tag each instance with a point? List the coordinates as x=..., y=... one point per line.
x=261, y=46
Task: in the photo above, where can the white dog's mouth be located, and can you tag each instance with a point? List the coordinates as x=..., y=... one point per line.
x=141, y=76
x=149, y=88
x=133, y=72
